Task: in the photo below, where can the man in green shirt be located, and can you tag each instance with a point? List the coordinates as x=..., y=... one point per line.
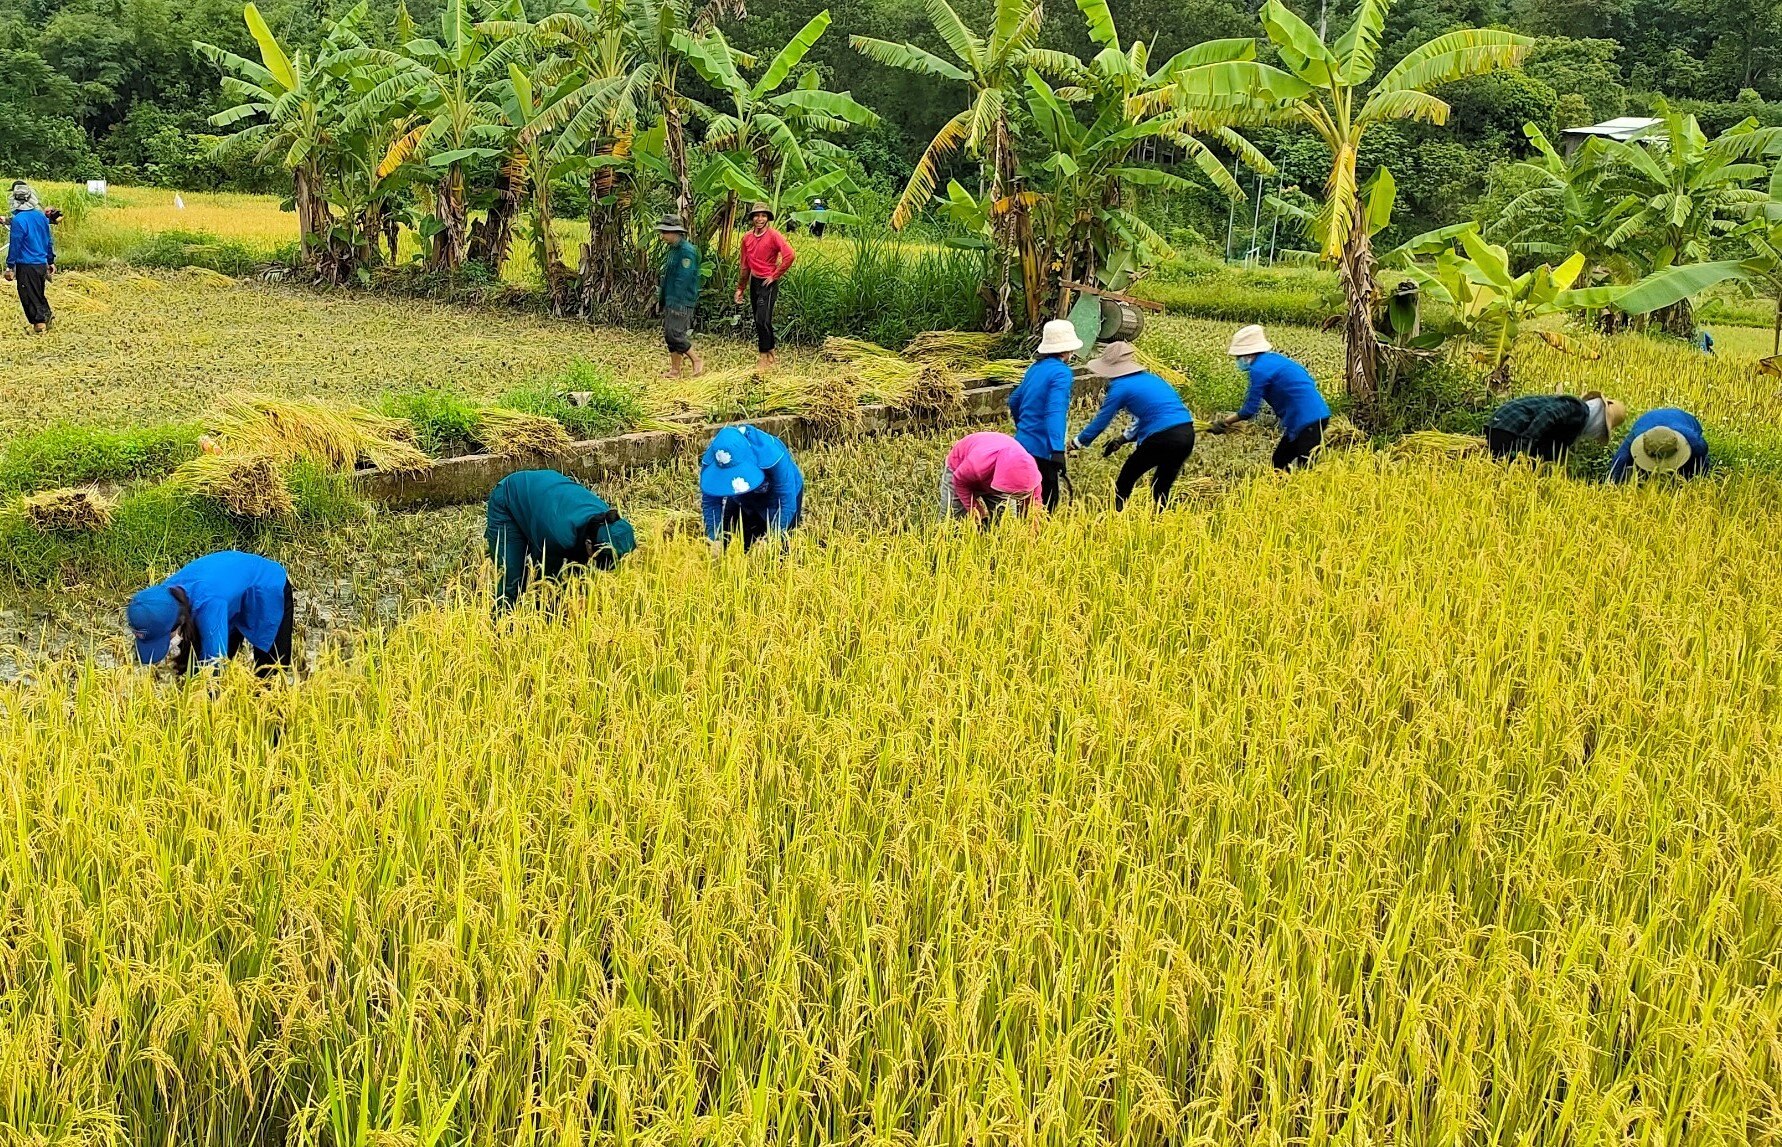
x=679, y=296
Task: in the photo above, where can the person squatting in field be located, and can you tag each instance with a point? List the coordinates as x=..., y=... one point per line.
x=1040, y=406
x=750, y=485
x=762, y=262
x=1289, y=390
x=544, y=520
x=678, y=296
x=1161, y=423
x=1546, y=426
x=987, y=473
x=213, y=605
x=1662, y=441
x=30, y=256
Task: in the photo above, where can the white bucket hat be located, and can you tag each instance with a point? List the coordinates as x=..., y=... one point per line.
x=1059, y=337
x=1661, y=450
x=1249, y=340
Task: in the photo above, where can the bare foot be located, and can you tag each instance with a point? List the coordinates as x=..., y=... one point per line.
x=698, y=366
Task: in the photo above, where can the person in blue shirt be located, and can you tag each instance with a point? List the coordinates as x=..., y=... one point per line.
x=546, y=520
x=1288, y=389
x=1161, y=423
x=204, y=613
x=30, y=256
x=1662, y=441
x=748, y=484
x=1041, y=405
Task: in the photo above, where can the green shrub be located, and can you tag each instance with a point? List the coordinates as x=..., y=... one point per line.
x=611, y=407
x=1234, y=297
x=444, y=423
x=75, y=455
x=194, y=249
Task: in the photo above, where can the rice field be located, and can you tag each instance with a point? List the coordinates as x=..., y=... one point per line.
x=1320, y=812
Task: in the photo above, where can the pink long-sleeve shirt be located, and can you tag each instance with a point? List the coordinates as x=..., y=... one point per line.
x=766, y=256
x=989, y=463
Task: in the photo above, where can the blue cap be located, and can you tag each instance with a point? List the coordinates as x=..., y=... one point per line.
x=153, y=614
x=728, y=468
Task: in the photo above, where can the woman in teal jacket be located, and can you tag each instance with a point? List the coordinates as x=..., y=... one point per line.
x=546, y=520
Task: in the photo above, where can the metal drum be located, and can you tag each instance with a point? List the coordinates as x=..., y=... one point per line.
x=1120, y=322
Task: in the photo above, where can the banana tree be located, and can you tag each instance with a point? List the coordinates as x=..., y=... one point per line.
x=1567, y=209
x=1326, y=87
x=769, y=140
x=993, y=67
x=293, y=100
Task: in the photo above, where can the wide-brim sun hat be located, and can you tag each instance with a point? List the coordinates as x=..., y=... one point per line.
x=1249, y=340
x=1614, y=414
x=1117, y=360
x=1059, y=337
x=670, y=223
x=153, y=613
x=759, y=209
x=1660, y=450
x=727, y=469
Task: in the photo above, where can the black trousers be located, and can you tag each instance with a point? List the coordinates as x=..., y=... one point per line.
x=1163, y=454
x=751, y=521
x=762, y=297
x=1051, y=477
x=269, y=661
x=1295, y=451
x=1504, y=444
x=31, y=280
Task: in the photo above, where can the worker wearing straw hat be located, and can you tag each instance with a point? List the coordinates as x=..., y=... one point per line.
x=1546, y=426
x=749, y=484
x=547, y=521
x=763, y=261
x=212, y=606
x=30, y=255
x=1662, y=441
x=987, y=473
x=1041, y=405
x=1161, y=423
x=679, y=296
x=1289, y=390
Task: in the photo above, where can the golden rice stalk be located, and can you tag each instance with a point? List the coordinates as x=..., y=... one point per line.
x=512, y=433
x=1437, y=443
x=839, y=349
x=1342, y=434
x=206, y=275
x=996, y=372
x=936, y=391
x=831, y=405
x=952, y=348
x=335, y=437
x=1161, y=369
x=889, y=380
x=247, y=484
x=69, y=508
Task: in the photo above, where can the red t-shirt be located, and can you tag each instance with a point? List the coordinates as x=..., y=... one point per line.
x=767, y=256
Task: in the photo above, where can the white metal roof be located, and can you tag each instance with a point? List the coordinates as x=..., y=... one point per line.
x=1621, y=128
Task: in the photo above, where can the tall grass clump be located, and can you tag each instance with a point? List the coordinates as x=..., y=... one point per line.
x=585, y=398
x=1324, y=812
x=77, y=455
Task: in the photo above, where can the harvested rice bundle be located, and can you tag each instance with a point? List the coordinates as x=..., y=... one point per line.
x=1342, y=434
x=889, y=380
x=937, y=391
x=206, y=275
x=1161, y=369
x=996, y=372
x=247, y=484
x=952, y=348
x=69, y=508
x=839, y=349
x=335, y=437
x=1437, y=443
x=831, y=405
x=513, y=433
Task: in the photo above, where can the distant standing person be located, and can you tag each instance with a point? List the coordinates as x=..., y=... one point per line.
x=1546, y=426
x=213, y=605
x=1289, y=390
x=748, y=485
x=679, y=296
x=1662, y=441
x=1161, y=423
x=819, y=222
x=763, y=261
x=987, y=473
x=30, y=256
x=546, y=520
x=1041, y=405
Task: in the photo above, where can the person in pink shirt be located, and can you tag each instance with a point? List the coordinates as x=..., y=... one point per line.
x=987, y=473
x=763, y=261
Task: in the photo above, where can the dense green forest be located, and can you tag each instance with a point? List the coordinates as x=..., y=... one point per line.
x=113, y=87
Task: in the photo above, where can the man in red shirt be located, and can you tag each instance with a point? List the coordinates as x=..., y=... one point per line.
x=764, y=260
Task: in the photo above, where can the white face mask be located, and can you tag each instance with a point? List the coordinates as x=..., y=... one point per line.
x=175, y=644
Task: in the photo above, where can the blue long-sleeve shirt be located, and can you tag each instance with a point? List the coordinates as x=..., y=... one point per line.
x=1041, y=406
x=28, y=241
x=1152, y=402
x=233, y=592
x=1671, y=418
x=777, y=499
x=1288, y=389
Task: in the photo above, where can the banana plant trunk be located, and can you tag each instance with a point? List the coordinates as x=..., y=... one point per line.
x=545, y=251
x=492, y=237
x=998, y=318
x=675, y=136
x=315, y=224
x=448, y=241
x=613, y=275
x=1361, y=359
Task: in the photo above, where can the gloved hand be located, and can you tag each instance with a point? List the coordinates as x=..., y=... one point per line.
x=1114, y=446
